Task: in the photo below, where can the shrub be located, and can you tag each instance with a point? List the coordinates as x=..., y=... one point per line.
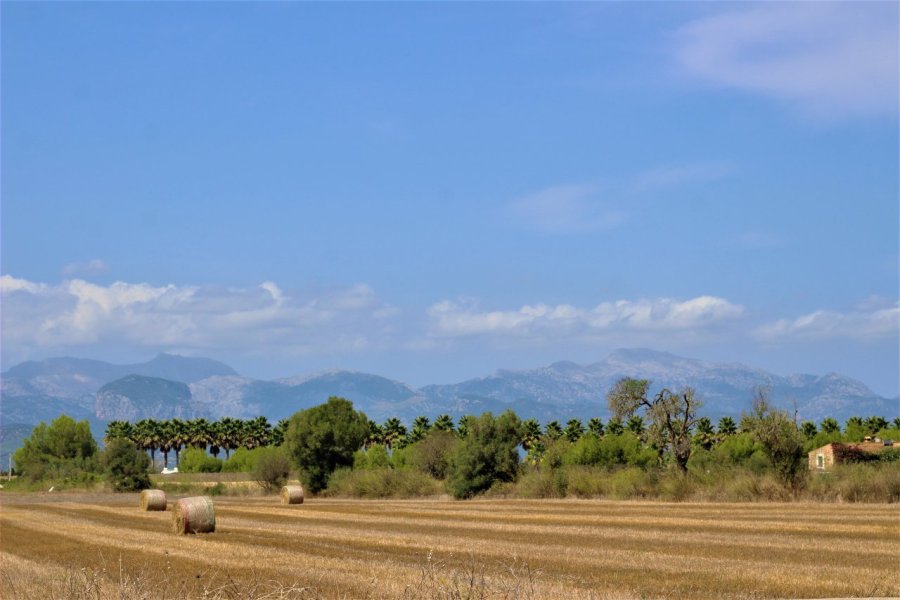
x=242, y=460
x=271, y=467
x=630, y=482
x=487, y=454
x=126, y=466
x=196, y=460
x=543, y=483
x=382, y=483
x=585, y=482
x=374, y=457
x=587, y=451
x=432, y=454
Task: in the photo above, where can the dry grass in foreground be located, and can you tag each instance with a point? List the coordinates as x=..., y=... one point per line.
x=100, y=547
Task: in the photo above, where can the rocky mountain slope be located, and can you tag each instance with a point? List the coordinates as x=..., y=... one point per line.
x=174, y=386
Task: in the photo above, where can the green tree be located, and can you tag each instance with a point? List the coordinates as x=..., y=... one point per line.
x=147, y=436
x=443, y=423
x=322, y=438
x=432, y=454
x=257, y=433
x=63, y=448
x=809, y=429
x=726, y=428
x=278, y=432
x=126, y=465
x=875, y=424
x=830, y=425
x=420, y=427
x=671, y=416
x=615, y=426
x=553, y=431
x=462, y=426
x=636, y=425
x=855, y=429
x=531, y=434
x=574, y=430
x=705, y=437
x=375, y=436
x=117, y=429
x=488, y=453
x=595, y=426
x=781, y=441
x=393, y=433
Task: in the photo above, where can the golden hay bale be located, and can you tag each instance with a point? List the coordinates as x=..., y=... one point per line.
x=194, y=515
x=292, y=494
x=153, y=500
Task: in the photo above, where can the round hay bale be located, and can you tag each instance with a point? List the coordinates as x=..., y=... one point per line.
x=194, y=515
x=153, y=500
x=292, y=494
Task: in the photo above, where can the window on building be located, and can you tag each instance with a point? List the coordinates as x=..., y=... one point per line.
x=820, y=461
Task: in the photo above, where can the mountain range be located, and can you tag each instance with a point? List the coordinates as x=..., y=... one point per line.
x=185, y=387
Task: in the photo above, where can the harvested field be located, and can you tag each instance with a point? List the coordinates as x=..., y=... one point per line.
x=446, y=549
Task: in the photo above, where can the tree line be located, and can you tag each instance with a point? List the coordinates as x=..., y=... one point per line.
x=473, y=453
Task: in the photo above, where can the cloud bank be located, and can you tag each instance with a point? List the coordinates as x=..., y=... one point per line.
x=453, y=319
x=188, y=318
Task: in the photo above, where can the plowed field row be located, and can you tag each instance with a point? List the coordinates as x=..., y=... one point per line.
x=430, y=548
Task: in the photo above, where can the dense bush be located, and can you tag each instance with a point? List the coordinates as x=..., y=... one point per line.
x=271, y=467
x=487, y=454
x=382, y=483
x=126, y=466
x=374, y=457
x=195, y=460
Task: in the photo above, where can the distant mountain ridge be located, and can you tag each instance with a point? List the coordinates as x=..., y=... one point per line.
x=175, y=386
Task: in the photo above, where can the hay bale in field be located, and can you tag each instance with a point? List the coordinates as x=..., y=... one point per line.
x=292, y=494
x=153, y=500
x=194, y=515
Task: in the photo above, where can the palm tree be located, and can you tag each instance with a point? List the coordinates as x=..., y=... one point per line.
x=853, y=422
x=595, y=426
x=257, y=432
x=615, y=427
x=394, y=433
x=726, y=427
x=705, y=435
x=146, y=432
x=375, y=435
x=278, y=432
x=574, y=430
x=462, y=426
x=165, y=440
x=830, y=425
x=199, y=433
x=116, y=430
x=553, y=431
x=443, y=423
x=896, y=423
x=420, y=427
x=179, y=437
x=876, y=424
x=809, y=429
x=635, y=425
x=531, y=434
x=230, y=434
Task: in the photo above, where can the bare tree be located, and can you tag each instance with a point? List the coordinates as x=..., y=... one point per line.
x=671, y=416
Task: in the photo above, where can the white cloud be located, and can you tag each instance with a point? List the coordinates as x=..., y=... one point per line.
x=91, y=267
x=672, y=175
x=38, y=318
x=869, y=323
x=830, y=59
x=566, y=209
x=460, y=319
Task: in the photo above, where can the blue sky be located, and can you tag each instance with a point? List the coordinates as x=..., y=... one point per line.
x=434, y=191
